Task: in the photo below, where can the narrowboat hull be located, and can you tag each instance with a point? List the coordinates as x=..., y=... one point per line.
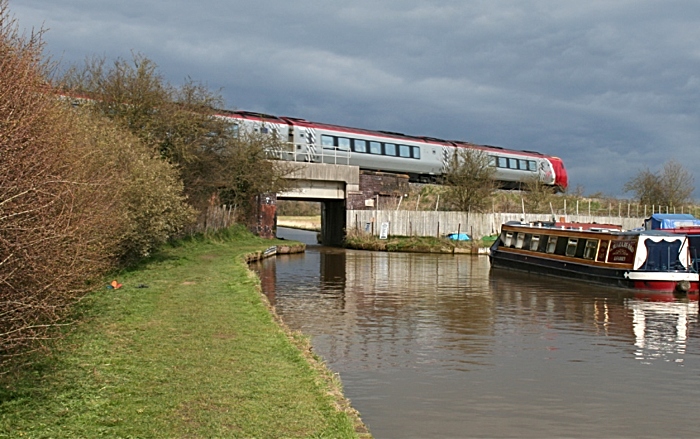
x=682, y=282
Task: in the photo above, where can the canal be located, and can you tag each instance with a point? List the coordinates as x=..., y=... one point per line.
x=439, y=346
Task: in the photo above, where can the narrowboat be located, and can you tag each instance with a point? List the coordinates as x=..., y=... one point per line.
x=651, y=260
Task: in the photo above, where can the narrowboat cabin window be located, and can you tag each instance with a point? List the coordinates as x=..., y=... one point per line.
x=507, y=238
x=535, y=242
x=552, y=244
x=520, y=240
x=590, y=250
x=571, y=247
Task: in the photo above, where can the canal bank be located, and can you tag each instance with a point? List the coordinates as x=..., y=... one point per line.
x=187, y=347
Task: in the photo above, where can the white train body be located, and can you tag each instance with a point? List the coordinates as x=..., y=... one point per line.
x=423, y=159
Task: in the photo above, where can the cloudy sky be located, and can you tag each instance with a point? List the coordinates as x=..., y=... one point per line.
x=610, y=86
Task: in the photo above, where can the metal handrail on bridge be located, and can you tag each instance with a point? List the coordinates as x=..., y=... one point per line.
x=293, y=152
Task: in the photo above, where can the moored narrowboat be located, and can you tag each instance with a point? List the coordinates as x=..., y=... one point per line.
x=652, y=260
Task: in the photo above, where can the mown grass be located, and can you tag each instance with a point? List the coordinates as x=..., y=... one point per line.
x=195, y=354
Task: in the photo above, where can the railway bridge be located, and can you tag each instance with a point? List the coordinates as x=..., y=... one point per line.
x=337, y=187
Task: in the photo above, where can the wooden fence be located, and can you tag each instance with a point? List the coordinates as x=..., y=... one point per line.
x=440, y=223
x=214, y=218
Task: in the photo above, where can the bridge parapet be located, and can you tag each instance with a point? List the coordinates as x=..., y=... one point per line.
x=321, y=181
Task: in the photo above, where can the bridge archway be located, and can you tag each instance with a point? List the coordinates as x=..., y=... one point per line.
x=329, y=185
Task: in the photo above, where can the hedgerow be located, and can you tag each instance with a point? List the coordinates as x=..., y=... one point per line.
x=78, y=196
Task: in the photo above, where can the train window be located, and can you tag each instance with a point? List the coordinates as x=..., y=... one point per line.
x=343, y=144
x=359, y=145
x=415, y=152
x=404, y=151
x=532, y=165
x=502, y=162
x=522, y=164
x=512, y=163
x=264, y=130
x=235, y=130
x=375, y=147
x=493, y=161
x=389, y=149
x=328, y=142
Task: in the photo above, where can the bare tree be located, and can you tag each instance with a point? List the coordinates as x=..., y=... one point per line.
x=536, y=195
x=469, y=178
x=677, y=183
x=217, y=163
x=673, y=186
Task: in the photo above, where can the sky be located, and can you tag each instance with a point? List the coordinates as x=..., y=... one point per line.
x=610, y=86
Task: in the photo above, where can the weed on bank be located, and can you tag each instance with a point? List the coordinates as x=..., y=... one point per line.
x=186, y=347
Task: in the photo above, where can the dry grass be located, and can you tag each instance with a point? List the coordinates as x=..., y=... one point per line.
x=300, y=222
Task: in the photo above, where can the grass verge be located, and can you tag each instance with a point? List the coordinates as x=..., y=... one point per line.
x=414, y=244
x=195, y=354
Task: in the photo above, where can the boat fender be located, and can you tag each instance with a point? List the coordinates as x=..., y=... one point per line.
x=683, y=286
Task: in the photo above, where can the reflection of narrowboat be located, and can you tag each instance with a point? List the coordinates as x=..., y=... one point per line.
x=642, y=259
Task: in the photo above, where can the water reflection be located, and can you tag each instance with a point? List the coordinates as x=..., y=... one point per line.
x=440, y=346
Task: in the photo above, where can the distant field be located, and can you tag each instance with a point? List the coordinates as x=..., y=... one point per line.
x=300, y=222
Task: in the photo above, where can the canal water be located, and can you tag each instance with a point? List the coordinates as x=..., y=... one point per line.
x=440, y=346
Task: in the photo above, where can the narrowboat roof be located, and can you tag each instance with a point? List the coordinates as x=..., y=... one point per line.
x=670, y=221
x=592, y=227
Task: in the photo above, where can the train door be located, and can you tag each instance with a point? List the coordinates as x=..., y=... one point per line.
x=304, y=144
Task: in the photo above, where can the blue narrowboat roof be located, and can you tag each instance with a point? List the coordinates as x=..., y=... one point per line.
x=670, y=221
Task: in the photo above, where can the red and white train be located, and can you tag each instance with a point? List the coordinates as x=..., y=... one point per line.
x=423, y=159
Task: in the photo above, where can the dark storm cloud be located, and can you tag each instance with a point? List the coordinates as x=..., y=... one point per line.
x=611, y=87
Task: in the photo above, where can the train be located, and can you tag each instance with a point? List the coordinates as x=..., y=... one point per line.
x=423, y=159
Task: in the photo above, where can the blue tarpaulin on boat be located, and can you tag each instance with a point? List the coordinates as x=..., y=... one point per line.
x=670, y=221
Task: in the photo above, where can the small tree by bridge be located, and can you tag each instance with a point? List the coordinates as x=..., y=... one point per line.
x=179, y=124
x=469, y=180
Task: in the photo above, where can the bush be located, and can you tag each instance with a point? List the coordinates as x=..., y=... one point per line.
x=149, y=200
x=77, y=195
x=53, y=221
